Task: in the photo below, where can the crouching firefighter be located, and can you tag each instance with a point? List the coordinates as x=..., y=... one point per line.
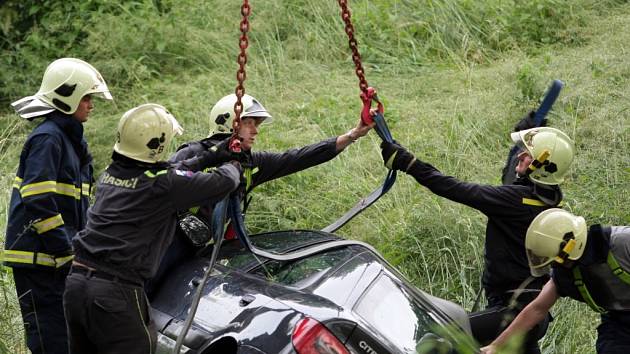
x=50, y=197
x=544, y=157
x=591, y=267
x=128, y=230
x=259, y=167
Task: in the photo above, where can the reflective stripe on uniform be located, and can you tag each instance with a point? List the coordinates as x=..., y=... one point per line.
x=249, y=173
x=153, y=175
x=38, y=188
x=85, y=189
x=69, y=190
x=17, y=183
x=48, y=224
x=25, y=257
x=44, y=187
x=142, y=319
x=535, y=202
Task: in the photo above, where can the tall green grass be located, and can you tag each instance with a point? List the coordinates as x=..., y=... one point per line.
x=455, y=75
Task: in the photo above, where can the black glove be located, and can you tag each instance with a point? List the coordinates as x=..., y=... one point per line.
x=527, y=122
x=224, y=154
x=396, y=157
x=220, y=154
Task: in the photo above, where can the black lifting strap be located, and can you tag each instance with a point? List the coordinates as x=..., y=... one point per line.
x=236, y=216
x=218, y=220
x=383, y=132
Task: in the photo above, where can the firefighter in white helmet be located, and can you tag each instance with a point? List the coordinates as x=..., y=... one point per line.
x=259, y=166
x=591, y=267
x=129, y=227
x=50, y=196
x=543, y=162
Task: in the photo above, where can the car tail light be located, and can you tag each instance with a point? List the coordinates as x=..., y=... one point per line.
x=311, y=337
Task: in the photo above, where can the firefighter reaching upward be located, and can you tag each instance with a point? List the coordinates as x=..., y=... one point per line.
x=259, y=166
x=544, y=157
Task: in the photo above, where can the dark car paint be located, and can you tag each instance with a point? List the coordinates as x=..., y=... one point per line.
x=261, y=314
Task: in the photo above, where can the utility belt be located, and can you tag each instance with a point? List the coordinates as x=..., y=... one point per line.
x=89, y=272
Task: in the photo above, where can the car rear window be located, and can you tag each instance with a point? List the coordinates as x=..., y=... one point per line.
x=234, y=255
x=303, y=272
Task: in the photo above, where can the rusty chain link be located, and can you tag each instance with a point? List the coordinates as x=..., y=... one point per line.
x=356, y=57
x=242, y=60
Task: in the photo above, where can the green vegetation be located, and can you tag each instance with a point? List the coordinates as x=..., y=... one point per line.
x=455, y=75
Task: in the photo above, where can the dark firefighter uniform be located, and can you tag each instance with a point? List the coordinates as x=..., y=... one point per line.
x=510, y=209
x=259, y=167
x=601, y=278
x=129, y=228
x=264, y=166
x=48, y=206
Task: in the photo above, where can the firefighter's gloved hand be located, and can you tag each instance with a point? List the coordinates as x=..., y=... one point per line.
x=224, y=154
x=527, y=122
x=219, y=154
x=396, y=157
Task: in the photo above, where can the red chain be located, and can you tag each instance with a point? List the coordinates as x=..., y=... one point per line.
x=356, y=57
x=241, y=75
x=368, y=94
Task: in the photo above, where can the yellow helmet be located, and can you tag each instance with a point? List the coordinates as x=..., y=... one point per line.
x=222, y=113
x=67, y=80
x=145, y=131
x=552, y=150
x=554, y=235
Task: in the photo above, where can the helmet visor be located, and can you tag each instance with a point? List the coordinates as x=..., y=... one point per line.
x=257, y=110
x=101, y=90
x=523, y=139
x=177, y=128
x=538, y=266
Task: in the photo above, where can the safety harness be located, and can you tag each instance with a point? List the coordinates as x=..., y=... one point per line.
x=566, y=246
x=578, y=281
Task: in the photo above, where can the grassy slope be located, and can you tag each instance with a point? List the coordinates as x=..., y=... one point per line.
x=457, y=119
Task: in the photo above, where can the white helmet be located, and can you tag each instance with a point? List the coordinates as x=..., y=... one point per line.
x=552, y=151
x=554, y=235
x=145, y=131
x=67, y=80
x=65, y=83
x=222, y=114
